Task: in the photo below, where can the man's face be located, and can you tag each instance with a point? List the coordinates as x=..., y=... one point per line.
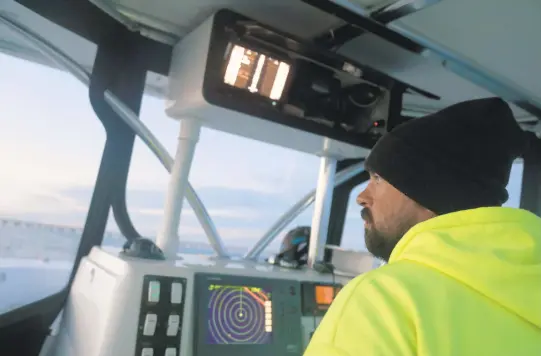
x=388, y=215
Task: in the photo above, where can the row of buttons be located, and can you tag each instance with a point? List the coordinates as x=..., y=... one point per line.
x=148, y=351
x=154, y=292
x=151, y=320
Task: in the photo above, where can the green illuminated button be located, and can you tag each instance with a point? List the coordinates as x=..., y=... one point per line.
x=154, y=291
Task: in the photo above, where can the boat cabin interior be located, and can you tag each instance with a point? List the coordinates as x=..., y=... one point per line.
x=324, y=77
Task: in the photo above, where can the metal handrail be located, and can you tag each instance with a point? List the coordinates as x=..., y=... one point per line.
x=129, y=117
x=285, y=219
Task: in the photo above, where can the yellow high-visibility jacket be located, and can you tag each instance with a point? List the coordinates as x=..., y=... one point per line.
x=460, y=284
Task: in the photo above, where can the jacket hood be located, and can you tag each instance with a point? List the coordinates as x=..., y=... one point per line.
x=495, y=251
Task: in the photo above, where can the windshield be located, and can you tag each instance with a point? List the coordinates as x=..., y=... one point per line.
x=245, y=184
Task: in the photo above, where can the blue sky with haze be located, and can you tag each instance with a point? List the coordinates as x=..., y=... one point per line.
x=51, y=143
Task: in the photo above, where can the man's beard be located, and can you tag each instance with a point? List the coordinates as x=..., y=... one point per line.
x=378, y=243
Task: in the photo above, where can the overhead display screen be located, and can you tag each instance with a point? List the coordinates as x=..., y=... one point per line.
x=256, y=72
x=239, y=315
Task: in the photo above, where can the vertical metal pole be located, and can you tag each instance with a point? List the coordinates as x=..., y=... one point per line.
x=530, y=197
x=168, y=239
x=163, y=156
x=322, y=210
x=290, y=215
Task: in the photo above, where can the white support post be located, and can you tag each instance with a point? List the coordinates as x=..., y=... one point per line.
x=168, y=239
x=322, y=210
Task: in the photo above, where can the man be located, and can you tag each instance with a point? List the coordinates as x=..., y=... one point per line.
x=464, y=274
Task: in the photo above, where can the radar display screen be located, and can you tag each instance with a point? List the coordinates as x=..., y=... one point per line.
x=239, y=315
x=256, y=72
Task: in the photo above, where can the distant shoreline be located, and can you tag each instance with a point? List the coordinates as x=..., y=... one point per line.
x=45, y=242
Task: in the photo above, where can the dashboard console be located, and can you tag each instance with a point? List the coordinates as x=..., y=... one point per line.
x=196, y=306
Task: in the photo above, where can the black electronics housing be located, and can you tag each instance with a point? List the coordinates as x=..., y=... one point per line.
x=320, y=92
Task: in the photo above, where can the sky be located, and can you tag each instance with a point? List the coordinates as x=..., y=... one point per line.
x=51, y=144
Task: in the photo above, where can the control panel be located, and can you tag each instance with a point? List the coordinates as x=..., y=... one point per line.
x=160, y=317
x=316, y=300
x=120, y=305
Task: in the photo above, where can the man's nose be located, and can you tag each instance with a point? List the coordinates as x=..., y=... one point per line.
x=363, y=199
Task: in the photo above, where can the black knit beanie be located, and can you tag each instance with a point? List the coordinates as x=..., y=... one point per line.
x=456, y=159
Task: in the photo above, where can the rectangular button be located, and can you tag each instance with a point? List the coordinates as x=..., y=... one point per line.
x=176, y=293
x=170, y=351
x=154, y=291
x=172, y=324
x=147, y=351
x=150, y=324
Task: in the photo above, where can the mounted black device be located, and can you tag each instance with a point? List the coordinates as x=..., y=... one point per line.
x=253, y=69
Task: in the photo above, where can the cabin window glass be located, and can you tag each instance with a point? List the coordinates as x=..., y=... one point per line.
x=514, y=188
x=245, y=184
x=353, y=234
x=51, y=144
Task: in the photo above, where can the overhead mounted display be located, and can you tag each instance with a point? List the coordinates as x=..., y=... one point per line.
x=237, y=64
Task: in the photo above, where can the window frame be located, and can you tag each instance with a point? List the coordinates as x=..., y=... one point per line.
x=27, y=326
x=340, y=204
